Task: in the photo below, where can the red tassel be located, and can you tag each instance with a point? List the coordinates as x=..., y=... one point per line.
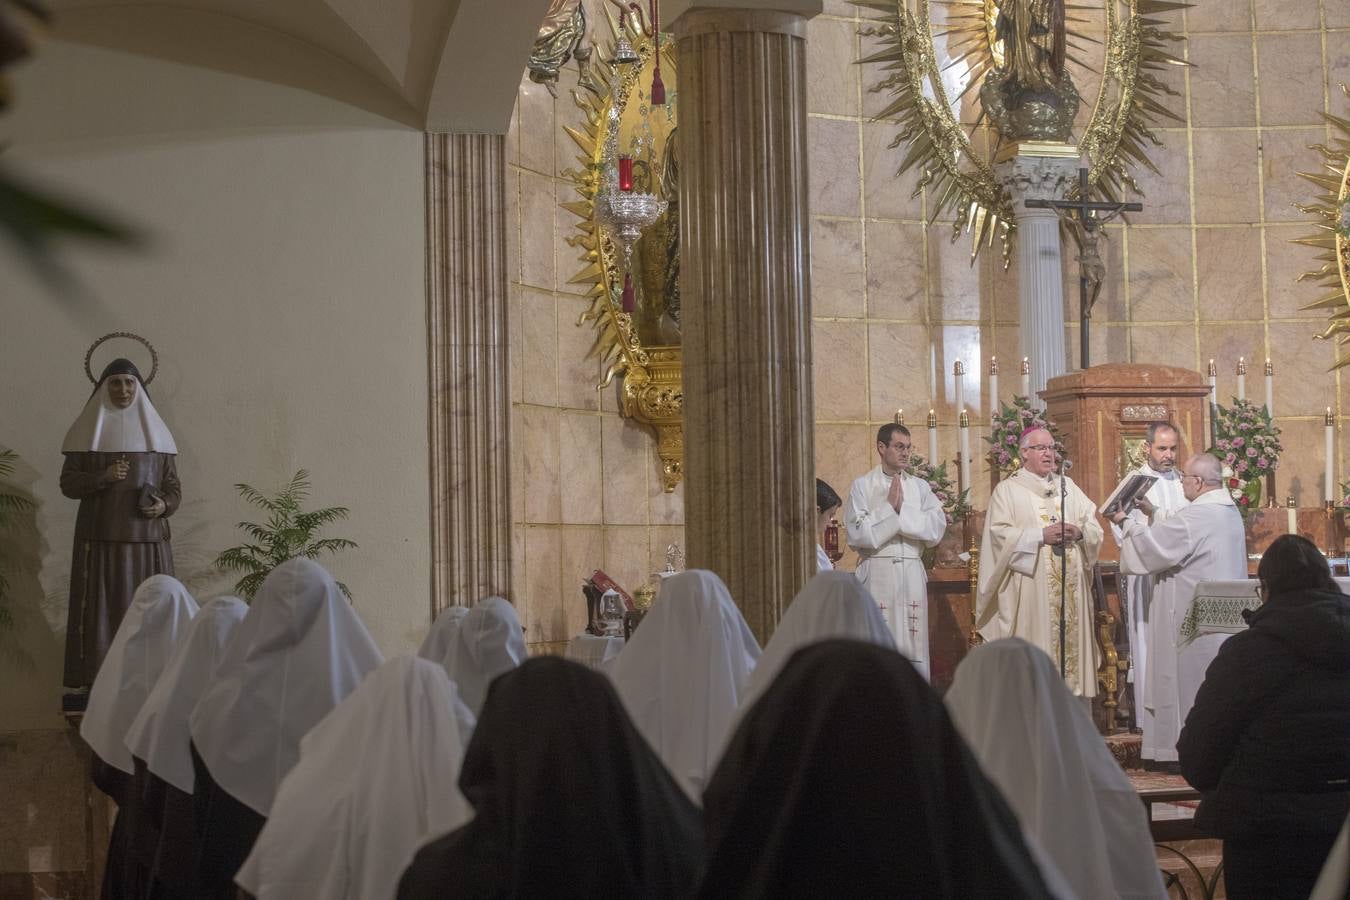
x=658, y=88
x=628, y=293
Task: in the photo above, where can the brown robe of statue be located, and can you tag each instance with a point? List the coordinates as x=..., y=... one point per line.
x=116, y=548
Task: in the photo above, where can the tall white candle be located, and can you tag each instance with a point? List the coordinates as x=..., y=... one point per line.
x=1213, y=383
x=993, y=387
x=959, y=375
x=965, y=448
x=1291, y=513
x=932, y=437
x=1331, y=455
x=1242, y=378
x=1026, y=378
x=1270, y=389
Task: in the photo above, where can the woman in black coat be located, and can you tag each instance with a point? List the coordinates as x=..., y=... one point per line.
x=1268, y=739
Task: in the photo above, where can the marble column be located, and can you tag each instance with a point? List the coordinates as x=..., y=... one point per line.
x=745, y=285
x=468, y=368
x=1040, y=267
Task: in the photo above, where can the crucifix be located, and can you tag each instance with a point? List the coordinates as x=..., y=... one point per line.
x=1085, y=228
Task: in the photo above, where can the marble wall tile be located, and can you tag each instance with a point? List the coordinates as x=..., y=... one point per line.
x=950, y=343
x=887, y=194
x=1166, y=345
x=1167, y=199
x=579, y=455
x=1337, y=65
x=1222, y=85
x=516, y=340
x=541, y=611
x=624, y=454
x=896, y=271
x=1290, y=75
x=664, y=509
x=1203, y=17
x=897, y=371
x=661, y=537
x=1226, y=189
x=833, y=143
x=839, y=370
x=1283, y=155
x=578, y=371
x=842, y=8
x=627, y=555
x=836, y=268
x=583, y=551
x=1301, y=470
x=955, y=289
x=1285, y=262
x=1228, y=261
x=1304, y=382
x=567, y=261
x=538, y=227
x=537, y=440
x=517, y=467
x=1224, y=344
x=1160, y=275
x=831, y=54
x=513, y=135
x=536, y=109
x=539, y=343
x=1284, y=15
x=514, y=262
x=1336, y=15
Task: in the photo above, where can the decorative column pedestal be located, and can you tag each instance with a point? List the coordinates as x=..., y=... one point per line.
x=1040, y=268
x=745, y=286
x=468, y=368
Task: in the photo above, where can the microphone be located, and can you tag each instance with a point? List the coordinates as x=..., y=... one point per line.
x=1065, y=465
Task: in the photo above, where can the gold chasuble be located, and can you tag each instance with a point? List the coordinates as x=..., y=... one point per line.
x=1020, y=588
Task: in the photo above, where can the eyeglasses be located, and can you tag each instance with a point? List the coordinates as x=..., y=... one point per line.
x=902, y=447
x=1039, y=448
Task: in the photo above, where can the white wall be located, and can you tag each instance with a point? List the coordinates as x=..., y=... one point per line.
x=283, y=285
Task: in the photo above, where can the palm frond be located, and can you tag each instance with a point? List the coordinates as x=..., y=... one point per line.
x=247, y=587
x=345, y=591
x=328, y=545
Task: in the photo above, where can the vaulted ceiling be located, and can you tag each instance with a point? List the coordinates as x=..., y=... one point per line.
x=437, y=65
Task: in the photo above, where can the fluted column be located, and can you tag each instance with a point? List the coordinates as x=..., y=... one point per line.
x=745, y=286
x=1040, y=268
x=468, y=368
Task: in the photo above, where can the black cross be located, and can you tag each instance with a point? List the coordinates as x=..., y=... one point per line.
x=1089, y=219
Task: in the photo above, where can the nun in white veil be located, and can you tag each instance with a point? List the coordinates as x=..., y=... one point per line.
x=377, y=778
x=1038, y=745
x=442, y=641
x=164, y=842
x=684, y=672
x=489, y=642
x=300, y=650
x=832, y=605
x=160, y=613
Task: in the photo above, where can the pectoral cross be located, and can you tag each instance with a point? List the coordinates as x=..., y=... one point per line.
x=1085, y=230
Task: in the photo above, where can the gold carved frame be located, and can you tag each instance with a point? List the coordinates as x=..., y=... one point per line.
x=642, y=347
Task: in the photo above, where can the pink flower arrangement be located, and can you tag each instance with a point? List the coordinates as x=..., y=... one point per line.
x=956, y=507
x=1248, y=443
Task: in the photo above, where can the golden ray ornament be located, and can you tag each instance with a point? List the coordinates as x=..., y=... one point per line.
x=955, y=152
x=638, y=345
x=1331, y=240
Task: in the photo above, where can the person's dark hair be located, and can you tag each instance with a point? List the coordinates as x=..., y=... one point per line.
x=826, y=498
x=886, y=433
x=1294, y=563
x=1151, y=432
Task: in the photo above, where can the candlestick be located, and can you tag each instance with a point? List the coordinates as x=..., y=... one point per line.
x=900, y=416
x=1026, y=377
x=1330, y=421
x=964, y=423
x=932, y=437
x=1213, y=383
x=993, y=386
x=625, y=173
x=959, y=373
x=1291, y=513
x=1242, y=378
x=1270, y=389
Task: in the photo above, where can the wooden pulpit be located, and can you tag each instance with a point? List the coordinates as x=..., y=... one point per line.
x=1101, y=414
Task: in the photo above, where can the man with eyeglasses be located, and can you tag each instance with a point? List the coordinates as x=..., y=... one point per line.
x=1164, y=499
x=1025, y=543
x=891, y=516
x=1203, y=541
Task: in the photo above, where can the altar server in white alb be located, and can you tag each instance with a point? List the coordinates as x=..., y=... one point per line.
x=1204, y=541
x=891, y=516
x=1026, y=545
x=1164, y=499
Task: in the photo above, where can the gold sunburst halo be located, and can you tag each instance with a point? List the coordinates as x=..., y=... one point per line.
x=961, y=183
x=1329, y=238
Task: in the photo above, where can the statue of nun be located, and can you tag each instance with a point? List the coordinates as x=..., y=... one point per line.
x=121, y=466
